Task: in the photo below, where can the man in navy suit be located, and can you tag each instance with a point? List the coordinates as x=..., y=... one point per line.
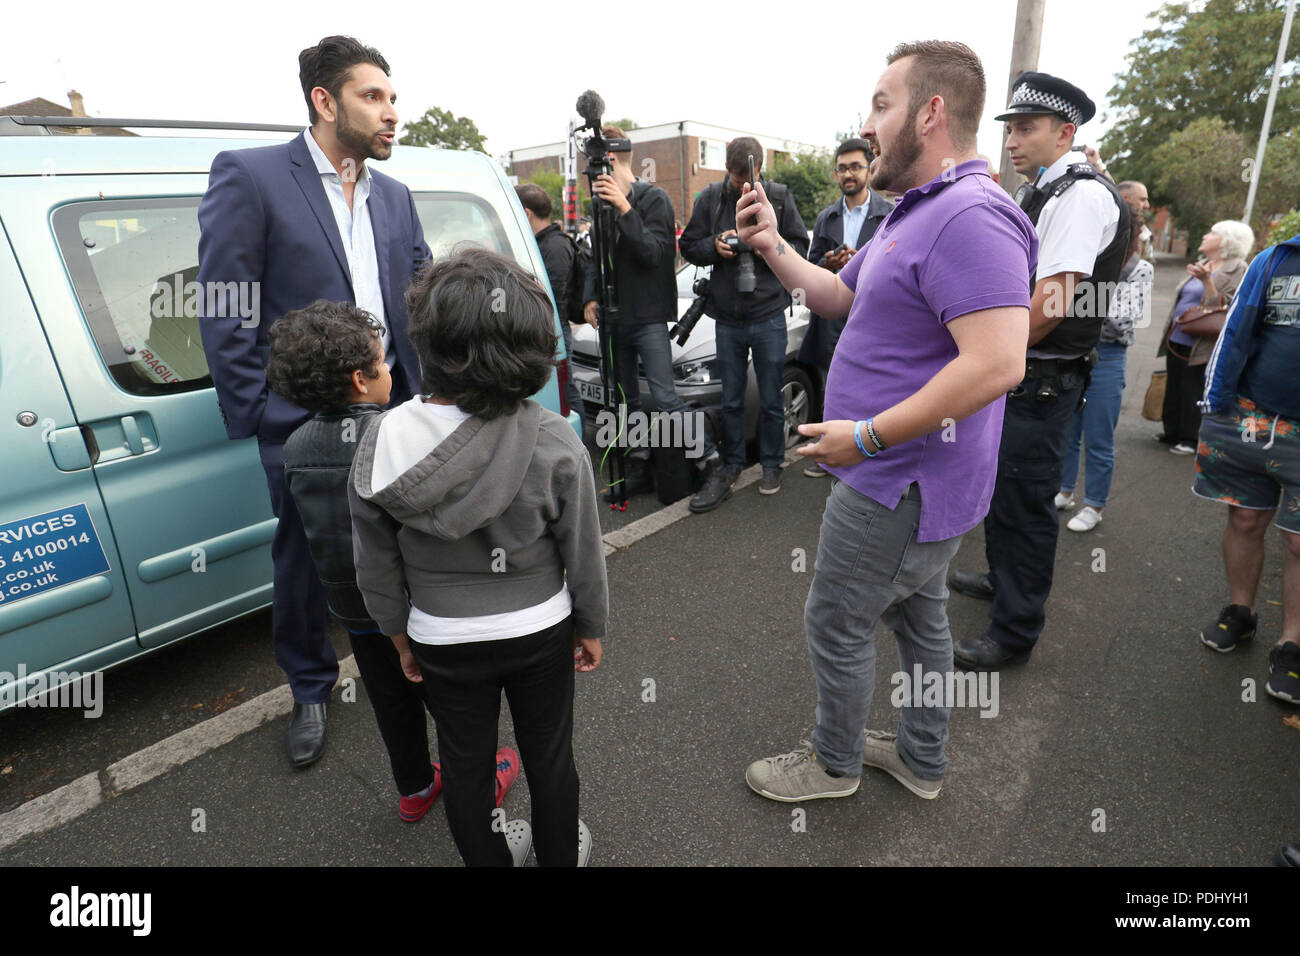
x=841, y=229
x=297, y=222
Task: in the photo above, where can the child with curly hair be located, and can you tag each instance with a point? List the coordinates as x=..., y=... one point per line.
x=329, y=359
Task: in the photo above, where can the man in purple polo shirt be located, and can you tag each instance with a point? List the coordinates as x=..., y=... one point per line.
x=938, y=317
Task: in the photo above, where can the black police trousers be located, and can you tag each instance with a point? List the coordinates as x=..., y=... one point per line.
x=1021, y=527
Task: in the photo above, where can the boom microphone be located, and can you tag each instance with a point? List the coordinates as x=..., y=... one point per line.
x=591, y=107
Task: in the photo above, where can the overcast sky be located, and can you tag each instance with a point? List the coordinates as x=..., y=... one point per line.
x=517, y=71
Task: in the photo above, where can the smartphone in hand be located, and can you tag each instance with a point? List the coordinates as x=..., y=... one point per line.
x=753, y=183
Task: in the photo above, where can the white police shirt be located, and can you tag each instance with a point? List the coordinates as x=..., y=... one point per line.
x=1073, y=229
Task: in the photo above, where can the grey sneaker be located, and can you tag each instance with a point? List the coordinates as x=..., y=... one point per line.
x=816, y=471
x=771, y=483
x=519, y=837
x=881, y=752
x=716, y=490
x=584, y=843
x=798, y=775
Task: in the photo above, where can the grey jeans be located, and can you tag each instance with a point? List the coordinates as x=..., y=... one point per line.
x=870, y=568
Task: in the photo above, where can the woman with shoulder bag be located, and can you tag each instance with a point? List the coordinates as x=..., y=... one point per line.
x=1209, y=286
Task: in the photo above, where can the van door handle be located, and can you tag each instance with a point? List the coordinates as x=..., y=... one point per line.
x=131, y=430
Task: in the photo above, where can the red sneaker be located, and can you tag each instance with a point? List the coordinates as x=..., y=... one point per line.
x=412, y=809
x=507, y=771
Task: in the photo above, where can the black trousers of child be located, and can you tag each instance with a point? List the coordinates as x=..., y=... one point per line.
x=463, y=683
x=399, y=710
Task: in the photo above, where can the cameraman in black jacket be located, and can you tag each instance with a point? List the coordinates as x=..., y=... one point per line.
x=745, y=322
x=644, y=254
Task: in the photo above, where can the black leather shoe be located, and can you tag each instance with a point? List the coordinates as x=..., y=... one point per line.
x=1289, y=855
x=971, y=584
x=305, y=738
x=983, y=654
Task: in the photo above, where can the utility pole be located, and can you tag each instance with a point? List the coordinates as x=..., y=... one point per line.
x=1024, y=56
x=1268, y=113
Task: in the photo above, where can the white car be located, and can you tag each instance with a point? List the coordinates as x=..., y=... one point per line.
x=695, y=372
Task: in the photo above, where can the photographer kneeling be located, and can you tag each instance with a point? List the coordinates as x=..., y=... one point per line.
x=644, y=254
x=747, y=303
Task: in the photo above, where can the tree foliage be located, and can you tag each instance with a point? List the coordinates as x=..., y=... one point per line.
x=1190, y=167
x=1200, y=61
x=1284, y=228
x=625, y=124
x=808, y=176
x=438, y=127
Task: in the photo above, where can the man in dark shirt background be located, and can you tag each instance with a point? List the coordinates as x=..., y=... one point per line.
x=558, y=254
x=744, y=322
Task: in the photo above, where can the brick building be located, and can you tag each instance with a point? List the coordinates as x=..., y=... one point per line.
x=682, y=158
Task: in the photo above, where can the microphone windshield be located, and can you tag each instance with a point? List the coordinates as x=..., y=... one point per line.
x=591, y=107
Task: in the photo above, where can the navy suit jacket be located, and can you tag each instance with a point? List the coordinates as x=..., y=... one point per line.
x=265, y=219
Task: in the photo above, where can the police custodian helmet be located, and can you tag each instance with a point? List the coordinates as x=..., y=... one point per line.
x=1041, y=93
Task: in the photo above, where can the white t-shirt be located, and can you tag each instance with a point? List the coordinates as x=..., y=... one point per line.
x=407, y=435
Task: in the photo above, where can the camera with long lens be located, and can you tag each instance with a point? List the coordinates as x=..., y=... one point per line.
x=746, y=281
x=686, y=324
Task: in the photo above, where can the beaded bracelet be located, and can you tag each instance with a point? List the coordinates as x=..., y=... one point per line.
x=857, y=437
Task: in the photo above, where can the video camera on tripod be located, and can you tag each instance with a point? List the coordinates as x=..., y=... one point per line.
x=596, y=147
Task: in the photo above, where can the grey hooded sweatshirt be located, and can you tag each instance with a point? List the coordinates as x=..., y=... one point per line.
x=521, y=483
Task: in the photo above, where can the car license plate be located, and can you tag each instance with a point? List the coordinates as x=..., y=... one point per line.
x=591, y=392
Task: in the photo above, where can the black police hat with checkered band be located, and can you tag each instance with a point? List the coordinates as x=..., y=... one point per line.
x=1041, y=93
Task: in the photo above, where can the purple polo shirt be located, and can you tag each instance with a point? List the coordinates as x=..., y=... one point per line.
x=955, y=245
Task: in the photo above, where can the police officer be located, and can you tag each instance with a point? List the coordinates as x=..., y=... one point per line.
x=841, y=229
x=1083, y=231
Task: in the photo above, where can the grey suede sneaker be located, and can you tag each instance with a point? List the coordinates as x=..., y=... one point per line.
x=798, y=775
x=881, y=752
x=771, y=483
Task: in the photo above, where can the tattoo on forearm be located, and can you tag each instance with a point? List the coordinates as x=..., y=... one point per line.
x=780, y=248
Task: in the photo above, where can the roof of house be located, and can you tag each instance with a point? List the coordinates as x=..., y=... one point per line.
x=40, y=106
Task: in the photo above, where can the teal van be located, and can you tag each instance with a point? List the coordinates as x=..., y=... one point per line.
x=117, y=481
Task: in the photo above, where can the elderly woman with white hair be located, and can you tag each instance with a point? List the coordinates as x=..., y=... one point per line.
x=1211, y=281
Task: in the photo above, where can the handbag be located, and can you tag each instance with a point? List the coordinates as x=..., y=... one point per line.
x=1201, y=321
x=1154, y=402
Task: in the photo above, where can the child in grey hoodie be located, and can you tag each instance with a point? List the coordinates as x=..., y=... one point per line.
x=478, y=550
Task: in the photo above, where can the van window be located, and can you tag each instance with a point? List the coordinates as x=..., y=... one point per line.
x=134, y=266
x=450, y=219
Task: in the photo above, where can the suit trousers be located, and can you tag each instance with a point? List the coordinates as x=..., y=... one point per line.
x=1022, y=525
x=298, y=607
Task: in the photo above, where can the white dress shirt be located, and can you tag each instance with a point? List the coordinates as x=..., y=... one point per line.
x=357, y=235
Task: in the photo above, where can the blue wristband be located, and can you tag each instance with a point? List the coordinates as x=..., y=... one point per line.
x=857, y=438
